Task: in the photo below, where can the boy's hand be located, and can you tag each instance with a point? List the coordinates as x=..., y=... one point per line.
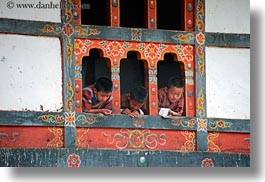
x=106, y=112
x=126, y=111
x=134, y=114
x=173, y=113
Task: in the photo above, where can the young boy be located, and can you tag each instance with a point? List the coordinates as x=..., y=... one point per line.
x=132, y=103
x=171, y=99
x=97, y=98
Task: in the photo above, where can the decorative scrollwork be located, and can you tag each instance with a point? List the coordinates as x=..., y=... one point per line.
x=136, y=139
x=10, y=139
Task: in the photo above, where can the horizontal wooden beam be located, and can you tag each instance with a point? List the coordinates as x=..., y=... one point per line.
x=228, y=40
x=118, y=158
x=29, y=118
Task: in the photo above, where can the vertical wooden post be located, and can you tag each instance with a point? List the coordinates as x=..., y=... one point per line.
x=77, y=12
x=151, y=14
x=189, y=15
x=115, y=13
x=202, y=141
x=69, y=74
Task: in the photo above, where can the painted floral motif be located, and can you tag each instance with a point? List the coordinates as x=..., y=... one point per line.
x=70, y=95
x=200, y=38
x=152, y=75
x=68, y=15
x=200, y=54
x=190, y=142
x=202, y=125
x=115, y=73
x=201, y=67
x=57, y=141
x=136, y=34
x=180, y=54
x=68, y=29
x=81, y=142
x=187, y=38
x=51, y=29
x=69, y=52
x=54, y=119
x=85, y=119
x=136, y=139
x=80, y=47
x=74, y=160
x=48, y=28
x=200, y=16
x=126, y=45
x=188, y=52
x=200, y=25
x=141, y=46
x=187, y=124
x=137, y=122
x=70, y=119
x=86, y=32
x=78, y=73
x=151, y=51
x=162, y=47
x=212, y=147
x=207, y=162
x=200, y=51
x=219, y=124
x=200, y=104
x=116, y=48
x=200, y=8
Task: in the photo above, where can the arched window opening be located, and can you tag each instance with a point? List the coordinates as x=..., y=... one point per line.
x=94, y=66
x=133, y=73
x=167, y=68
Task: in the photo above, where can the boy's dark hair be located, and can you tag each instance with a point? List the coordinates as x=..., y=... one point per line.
x=175, y=82
x=104, y=84
x=139, y=94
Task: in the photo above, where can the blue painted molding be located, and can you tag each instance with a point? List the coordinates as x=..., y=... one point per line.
x=27, y=118
x=118, y=158
x=29, y=27
x=228, y=40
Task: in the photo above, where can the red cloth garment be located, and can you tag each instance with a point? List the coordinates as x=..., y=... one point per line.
x=89, y=100
x=163, y=101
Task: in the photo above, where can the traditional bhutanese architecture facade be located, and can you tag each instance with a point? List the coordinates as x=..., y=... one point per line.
x=50, y=50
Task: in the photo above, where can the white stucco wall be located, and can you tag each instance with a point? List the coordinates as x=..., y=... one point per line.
x=30, y=73
x=228, y=83
x=31, y=10
x=227, y=16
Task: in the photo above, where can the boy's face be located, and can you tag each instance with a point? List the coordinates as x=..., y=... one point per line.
x=174, y=94
x=134, y=105
x=102, y=96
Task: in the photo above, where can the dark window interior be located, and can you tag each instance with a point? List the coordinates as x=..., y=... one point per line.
x=132, y=72
x=132, y=13
x=94, y=66
x=168, y=68
x=170, y=15
x=96, y=12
